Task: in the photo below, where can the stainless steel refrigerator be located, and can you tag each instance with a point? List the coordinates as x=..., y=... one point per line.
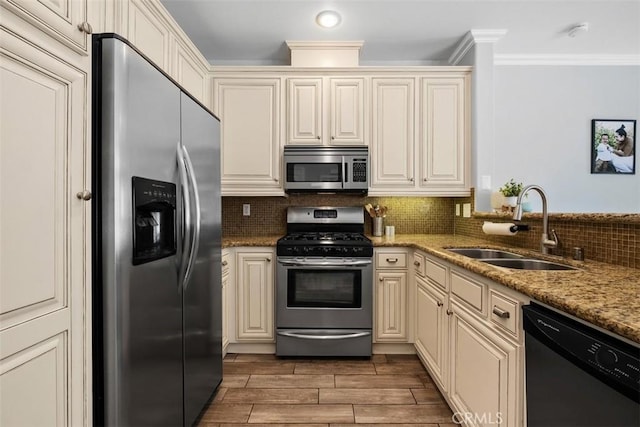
x=156, y=244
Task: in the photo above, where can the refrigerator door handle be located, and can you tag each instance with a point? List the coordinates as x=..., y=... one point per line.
x=195, y=242
x=186, y=217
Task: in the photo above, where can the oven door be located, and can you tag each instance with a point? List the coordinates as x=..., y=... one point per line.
x=324, y=293
x=317, y=172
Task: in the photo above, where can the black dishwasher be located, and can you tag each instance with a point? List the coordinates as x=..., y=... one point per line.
x=577, y=375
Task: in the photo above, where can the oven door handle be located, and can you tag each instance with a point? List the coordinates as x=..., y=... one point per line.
x=293, y=263
x=324, y=337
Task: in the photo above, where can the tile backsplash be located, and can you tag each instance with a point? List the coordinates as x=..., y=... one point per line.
x=409, y=215
x=606, y=239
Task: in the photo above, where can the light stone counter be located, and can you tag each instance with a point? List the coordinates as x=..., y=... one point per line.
x=604, y=294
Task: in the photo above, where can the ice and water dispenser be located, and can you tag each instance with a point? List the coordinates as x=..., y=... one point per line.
x=154, y=220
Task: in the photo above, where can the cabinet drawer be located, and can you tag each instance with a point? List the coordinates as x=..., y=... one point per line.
x=226, y=263
x=436, y=272
x=391, y=260
x=469, y=291
x=504, y=312
x=418, y=263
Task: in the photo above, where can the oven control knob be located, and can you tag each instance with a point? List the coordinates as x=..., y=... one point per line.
x=607, y=358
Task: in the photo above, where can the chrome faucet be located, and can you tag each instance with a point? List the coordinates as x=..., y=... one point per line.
x=545, y=242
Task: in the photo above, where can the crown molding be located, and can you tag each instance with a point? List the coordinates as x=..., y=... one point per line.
x=472, y=38
x=567, y=59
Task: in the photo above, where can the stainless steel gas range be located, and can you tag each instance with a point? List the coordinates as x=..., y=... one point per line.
x=324, y=284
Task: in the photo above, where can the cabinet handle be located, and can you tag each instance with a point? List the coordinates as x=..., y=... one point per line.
x=381, y=279
x=411, y=179
x=318, y=137
x=84, y=195
x=276, y=179
x=224, y=263
x=503, y=314
x=85, y=27
x=449, y=312
x=416, y=263
x=268, y=259
x=392, y=260
x=440, y=304
x=424, y=179
x=333, y=137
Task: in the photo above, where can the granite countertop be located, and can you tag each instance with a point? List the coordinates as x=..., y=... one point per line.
x=605, y=295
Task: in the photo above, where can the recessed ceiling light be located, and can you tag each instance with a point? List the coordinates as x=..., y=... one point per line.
x=328, y=18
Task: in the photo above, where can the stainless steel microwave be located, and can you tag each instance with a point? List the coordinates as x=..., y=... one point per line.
x=327, y=169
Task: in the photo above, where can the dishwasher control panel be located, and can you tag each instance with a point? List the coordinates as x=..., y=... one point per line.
x=614, y=361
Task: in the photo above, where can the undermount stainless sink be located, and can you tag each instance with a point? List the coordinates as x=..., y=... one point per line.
x=507, y=259
x=527, y=264
x=482, y=253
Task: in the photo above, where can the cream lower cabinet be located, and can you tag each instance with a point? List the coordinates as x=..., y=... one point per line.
x=249, y=109
x=484, y=372
x=392, y=310
x=469, y=337
x=226, y=281
x=45, y=255
x=254, y=271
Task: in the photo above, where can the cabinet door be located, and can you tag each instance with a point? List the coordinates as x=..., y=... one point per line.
x=44, y=235
x=189, y=72
x=391, y=307
x=225, y=313
x=392, y=139
x=249, y=110
x=149, y=33
x=255, y=296
x=304, y=111
x=484, y=372
x=347, y=111
x=432, y=329
x=59, y=19
x=444, y=133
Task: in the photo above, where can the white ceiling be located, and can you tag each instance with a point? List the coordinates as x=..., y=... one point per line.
x=412, y=32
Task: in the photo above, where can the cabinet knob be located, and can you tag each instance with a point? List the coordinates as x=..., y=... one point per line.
x=411, y=179
x=424, y=179
x=440, y=304
x=333, y=137
x=416, y=263
x=84, y=195
x=268, y=259
x=381, y=279
x=449, y=312
x=224, y=263
x=318, y=137
x=85, y=27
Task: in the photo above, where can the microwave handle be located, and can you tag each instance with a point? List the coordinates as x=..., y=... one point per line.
x=346, y=171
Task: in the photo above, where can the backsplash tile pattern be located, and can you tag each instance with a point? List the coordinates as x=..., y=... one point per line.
x=409, y=215
x=611, y=242
x=605, y=241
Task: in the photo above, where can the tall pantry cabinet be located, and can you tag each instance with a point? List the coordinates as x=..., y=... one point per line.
x=45, y=186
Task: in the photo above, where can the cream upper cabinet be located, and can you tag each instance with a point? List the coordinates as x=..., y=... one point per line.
x=149, y=32
x=249, y=109
x=393, y=136
x=45, y=242
x=326, y=111
x=420, y=135
x=255, y=295
x=66, y=21
x=189, y=71
x=444, y=134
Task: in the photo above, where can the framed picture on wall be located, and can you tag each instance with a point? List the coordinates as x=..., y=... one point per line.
x=613, y=146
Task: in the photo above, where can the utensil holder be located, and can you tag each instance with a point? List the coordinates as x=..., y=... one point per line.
x=378, y=226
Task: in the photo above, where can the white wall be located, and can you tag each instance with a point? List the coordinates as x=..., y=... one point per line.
x=543, y=129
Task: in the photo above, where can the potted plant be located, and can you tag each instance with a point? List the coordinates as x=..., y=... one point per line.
x=510, y=191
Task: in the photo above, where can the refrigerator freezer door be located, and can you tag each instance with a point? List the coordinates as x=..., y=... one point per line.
x=202, y=294
x=139, y=127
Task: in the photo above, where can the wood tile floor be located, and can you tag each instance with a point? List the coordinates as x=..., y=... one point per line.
x=265, y=390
